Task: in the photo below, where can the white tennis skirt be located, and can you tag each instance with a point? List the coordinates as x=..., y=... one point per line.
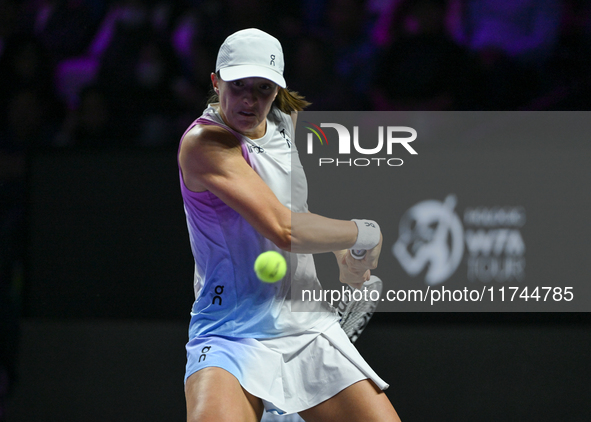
x=291, y=373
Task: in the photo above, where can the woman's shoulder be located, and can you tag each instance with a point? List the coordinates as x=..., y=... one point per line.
x=209, y=128
x=204, y=135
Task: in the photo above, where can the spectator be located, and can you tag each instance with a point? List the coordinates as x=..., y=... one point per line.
x=423, y=69
x=25, y=65
x=524, y=30
x=64, y=27
x=313, y=72
x=514, y=39
x=89, y=123
x=571, y=64
x=355, y=54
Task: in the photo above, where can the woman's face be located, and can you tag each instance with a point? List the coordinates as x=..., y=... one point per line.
x=245, y=103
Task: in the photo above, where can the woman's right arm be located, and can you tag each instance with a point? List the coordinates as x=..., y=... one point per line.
x=211, y=159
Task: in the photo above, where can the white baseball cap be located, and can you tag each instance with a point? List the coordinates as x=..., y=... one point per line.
x=251, y=53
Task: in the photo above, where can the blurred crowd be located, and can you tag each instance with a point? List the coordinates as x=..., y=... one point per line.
x=135, y=73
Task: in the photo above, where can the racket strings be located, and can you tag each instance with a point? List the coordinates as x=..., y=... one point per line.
x=355, y=315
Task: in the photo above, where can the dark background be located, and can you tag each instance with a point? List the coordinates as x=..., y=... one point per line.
x=95, y=266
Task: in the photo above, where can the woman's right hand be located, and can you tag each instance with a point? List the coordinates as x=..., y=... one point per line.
x=355, y=272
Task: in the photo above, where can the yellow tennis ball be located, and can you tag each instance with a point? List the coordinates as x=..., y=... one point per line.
x=270, y=266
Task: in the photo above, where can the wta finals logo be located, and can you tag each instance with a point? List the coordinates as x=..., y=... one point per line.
x=433, y=237
x=385, y=137
x=431, y=234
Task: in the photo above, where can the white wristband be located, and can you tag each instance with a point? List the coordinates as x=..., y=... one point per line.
x=368, y=234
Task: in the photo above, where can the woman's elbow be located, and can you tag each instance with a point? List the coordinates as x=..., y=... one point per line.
x=283, y=240
x=278, y=231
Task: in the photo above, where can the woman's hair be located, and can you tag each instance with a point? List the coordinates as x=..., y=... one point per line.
x=286, y=100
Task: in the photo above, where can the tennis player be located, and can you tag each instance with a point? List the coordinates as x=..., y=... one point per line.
x=255, y=346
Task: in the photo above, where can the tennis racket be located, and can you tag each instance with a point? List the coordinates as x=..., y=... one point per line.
x=355, y=314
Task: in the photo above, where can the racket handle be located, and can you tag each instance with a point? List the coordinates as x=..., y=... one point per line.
x=358, y=253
